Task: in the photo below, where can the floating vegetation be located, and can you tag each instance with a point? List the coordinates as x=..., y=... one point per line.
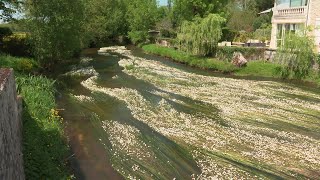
x=86, y=71
x=234, y=129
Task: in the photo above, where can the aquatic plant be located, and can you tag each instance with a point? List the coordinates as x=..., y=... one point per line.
x=233, y=128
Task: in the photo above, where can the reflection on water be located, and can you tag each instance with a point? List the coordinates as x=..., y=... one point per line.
x=162, y=120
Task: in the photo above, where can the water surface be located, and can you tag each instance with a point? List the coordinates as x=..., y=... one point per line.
x=146, y=117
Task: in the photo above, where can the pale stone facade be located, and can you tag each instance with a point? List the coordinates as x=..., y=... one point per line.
x=294, y=18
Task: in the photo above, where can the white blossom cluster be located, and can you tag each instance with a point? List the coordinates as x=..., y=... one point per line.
x=85, y=61
x=271, y=124
x=83, y=98
x=85, y=71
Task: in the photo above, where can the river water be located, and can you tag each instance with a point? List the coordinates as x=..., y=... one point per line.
x=135, y=116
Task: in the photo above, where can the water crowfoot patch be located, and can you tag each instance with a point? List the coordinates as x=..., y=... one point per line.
x=233, y=128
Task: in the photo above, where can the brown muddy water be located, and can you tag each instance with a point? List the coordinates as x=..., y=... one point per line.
x=130, y=115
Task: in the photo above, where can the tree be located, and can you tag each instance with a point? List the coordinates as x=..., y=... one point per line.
x=201, y=36
x=105, y=19
x=262, y=5
x=55, y=28
x=242, y=14
x=188, y=9
x=141, y=16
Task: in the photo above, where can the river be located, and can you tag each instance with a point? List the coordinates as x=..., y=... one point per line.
x=130, y=115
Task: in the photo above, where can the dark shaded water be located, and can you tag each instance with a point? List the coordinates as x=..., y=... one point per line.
x=93, y=153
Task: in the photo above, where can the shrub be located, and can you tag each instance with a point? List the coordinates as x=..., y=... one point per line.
x=5, y=31
x=243, y=36
x=228, y=34
x=138, y=37
x=296, y=56
x=16, y=45
x=263, y=33
x=21, y=65
x=168, y=33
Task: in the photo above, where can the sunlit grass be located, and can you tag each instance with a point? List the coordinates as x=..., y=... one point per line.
x=44, y=147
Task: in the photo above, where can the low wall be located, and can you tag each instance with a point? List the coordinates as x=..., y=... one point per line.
x=11, y=160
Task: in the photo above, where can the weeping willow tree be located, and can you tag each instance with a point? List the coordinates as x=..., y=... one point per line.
x=296, y=55
x=201, y=36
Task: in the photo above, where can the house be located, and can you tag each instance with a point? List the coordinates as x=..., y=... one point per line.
x=293, y=16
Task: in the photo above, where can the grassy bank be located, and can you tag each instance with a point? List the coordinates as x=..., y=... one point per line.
x=44, y=148
x=253, y=68
x=182, y=57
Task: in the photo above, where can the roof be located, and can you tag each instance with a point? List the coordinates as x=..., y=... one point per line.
x=266, y=11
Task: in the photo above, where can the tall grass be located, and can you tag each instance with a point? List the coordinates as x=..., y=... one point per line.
x=44, y=148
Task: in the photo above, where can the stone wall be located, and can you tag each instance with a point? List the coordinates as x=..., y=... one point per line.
x=11, y=160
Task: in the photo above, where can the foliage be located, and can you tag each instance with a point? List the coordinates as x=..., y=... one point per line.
x=263, y=34
x=244, y=23
x=141, y=16
x=201, y=36
x=4, y=31
x=20, y=65
x=243, y=14
x=168, y=33
x=228, y=34
x=186, y=10
x=262, y=5
x=44, y=148
x=104, y=19
x=182, y=57
x=138, y=37
x=296, y=56
x=226, y=53
x=55, y=28
x=243, y=36
x=16, y=45
x=262, y=21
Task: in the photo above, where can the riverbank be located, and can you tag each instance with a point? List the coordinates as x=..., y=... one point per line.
x=44, y=147
x=253, y=68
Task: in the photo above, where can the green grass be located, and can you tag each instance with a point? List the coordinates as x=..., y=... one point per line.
x=253, y=68
x=182, y=57
x=20, y=65
x=44, y=148
x=259, y=68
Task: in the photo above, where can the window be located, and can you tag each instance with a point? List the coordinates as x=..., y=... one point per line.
x=292, y=3
x=296, y=3
x=284, y=30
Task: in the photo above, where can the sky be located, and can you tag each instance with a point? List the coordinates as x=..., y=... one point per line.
x=162, y=2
